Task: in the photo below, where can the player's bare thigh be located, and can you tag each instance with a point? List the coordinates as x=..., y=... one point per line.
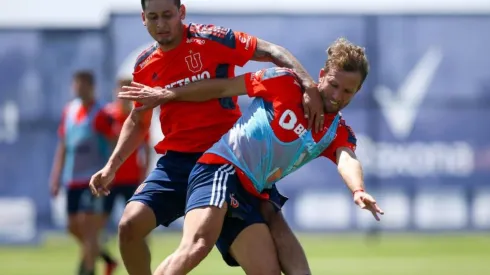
x=202, y=226
x=137, y=221
x=75, y=226
x=255, y=251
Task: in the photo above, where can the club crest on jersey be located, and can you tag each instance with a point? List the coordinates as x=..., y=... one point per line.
x=194, y=63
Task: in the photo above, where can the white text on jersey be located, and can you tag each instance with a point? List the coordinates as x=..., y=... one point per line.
x=187, y=80
x=288, y=121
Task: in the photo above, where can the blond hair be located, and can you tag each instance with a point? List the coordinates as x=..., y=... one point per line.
x=345, y=56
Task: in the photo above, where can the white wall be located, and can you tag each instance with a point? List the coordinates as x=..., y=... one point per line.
x=94, y=13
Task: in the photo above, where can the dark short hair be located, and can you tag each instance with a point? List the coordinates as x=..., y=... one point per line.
x=85, y=76
x=143, y=3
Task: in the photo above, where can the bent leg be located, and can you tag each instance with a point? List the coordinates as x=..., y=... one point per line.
x=245, y=239
x=290, y=252
x=206, y=207
x=137, y=221
x=160, y=200
x=202, y=227
x=254, y=250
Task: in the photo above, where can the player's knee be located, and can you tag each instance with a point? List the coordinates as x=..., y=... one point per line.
x=136, y=223
x=126, y=230
x=185, y=258
x=200, y=248
x=195, y=250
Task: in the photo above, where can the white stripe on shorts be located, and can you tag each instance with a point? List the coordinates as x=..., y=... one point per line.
x=218, y=192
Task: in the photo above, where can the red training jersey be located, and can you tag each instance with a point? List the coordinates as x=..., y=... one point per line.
x=133, y=169
x=206, y=51
x=280, y=88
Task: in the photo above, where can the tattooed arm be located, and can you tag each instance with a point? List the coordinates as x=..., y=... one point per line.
x=280, y=56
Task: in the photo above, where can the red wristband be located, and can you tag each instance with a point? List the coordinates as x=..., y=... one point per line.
x=358, y=190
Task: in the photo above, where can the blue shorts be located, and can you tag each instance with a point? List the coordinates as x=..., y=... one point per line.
x=214, y=184
x=81, y=200
x=165, y=188
x=125, y=191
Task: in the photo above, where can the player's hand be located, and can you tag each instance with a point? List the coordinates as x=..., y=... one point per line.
x=99, y=183
x=366, y=201
x=148, y=97
x=313, y=108
x=54, y=188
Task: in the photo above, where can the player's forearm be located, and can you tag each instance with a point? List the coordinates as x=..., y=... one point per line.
x=350, y=169
x=281, y=57
x=200, y=91
x=210, y=89
x=132, y=134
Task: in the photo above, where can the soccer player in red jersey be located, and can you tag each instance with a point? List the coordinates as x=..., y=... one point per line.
x=186, y=53
x=267, y=143
x=85, y=142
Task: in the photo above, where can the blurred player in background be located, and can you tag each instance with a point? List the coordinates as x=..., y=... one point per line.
x=183, y=54
x=133, y=171
x=266, y=144
x=86, y=138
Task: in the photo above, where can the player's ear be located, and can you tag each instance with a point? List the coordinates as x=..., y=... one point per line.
x=143, y=18
x=182, y=12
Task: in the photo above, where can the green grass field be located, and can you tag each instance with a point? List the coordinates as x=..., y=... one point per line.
x=327, y=254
